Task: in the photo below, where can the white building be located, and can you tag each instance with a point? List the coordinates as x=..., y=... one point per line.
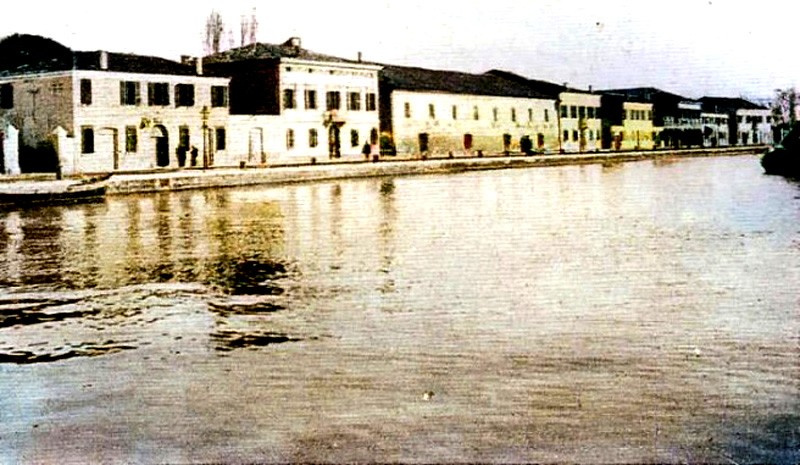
x=428, y=112
x=715, y=129
x=103, y=112
x=289, y=105
x=748, y=123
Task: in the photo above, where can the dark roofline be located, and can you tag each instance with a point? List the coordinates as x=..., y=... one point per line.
x=730, y=103
x=456, y=82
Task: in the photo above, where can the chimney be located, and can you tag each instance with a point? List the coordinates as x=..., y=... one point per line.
x=590, y=88
x=359, y=57
x=103, y=59
x=198, y=63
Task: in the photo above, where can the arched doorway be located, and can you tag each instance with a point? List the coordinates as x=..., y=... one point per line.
x=161, y=136
x=334, y=140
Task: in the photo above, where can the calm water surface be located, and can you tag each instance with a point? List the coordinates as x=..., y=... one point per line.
x=644, y=312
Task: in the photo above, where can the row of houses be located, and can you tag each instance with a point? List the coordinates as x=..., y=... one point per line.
x=266, y=104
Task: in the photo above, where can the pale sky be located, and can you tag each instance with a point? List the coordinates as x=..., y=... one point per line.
x=692, y=47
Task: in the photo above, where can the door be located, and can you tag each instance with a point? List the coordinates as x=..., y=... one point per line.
x=162, y=146
x=334, y=141
x=423, y=143
x=255, y=147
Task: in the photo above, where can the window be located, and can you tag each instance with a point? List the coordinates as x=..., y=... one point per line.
x=129, y=93
x=530, y=115
x=333, y=100
x=432, y=111
x=219, y=96
x=313, y=138
x=131, y=139
x=220, y=137
x=183, y=136
x=475, y=114
x=6, y=96
x=581, y=112
x=311, y=99
x=372, y=103
x=574, y=135
x=289, y=138
x=566, y=136
x=455, y=112
x=354, y=138
x=87, y=139
x=573, y=111
x=495, y=114
x=289, y=102
x=590, y=112
x=407, y=109
x=514, y=115
x=563, y=111
x=354, y=101
x=86, y=91
x=184, y=95
x=546, y=115
x=158, y=94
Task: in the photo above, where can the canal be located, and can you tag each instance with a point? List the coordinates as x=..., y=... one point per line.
x=638, y=312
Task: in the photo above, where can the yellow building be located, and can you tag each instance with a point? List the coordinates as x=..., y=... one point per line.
x=627, y=124
x=580, y=122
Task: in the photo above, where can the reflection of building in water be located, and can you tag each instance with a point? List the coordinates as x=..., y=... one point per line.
x=180, y=237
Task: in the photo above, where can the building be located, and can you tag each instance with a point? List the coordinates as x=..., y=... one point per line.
x=578, y=112
x=715, y=129
x=99, y=111
x=676, y=119
x=748, y=123
x=627, y=124
x=290, y=105
x=434, y=112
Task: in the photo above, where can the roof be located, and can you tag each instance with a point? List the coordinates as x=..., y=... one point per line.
x=548, y=88
x=455, y=82
x=24, y=54
x=649, y=95
x=263, y=51
x=726, y=104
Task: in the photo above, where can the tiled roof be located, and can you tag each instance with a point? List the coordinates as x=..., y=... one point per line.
x=22, y=54
x=130, y=63
x=456, y=82
x=726, y=104
x=263, y=51
x=548, y=88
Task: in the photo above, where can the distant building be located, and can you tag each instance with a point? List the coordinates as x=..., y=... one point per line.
x=715, y=129
x=578, y=112
x=289, y=104
x=101, y=111
x=676, y=119
x=748, y=123
x=627, y=124
x=433, y=112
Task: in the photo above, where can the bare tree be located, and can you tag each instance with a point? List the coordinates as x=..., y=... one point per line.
x=214, y=30
x=248, y=30
x=784, y=108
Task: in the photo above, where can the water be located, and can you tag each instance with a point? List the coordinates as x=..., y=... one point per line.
x=643, y=312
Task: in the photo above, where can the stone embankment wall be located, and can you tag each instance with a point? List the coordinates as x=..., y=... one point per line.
x=214, y=178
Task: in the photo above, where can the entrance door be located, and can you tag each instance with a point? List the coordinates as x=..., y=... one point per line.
x=526, y=145
x=423, y=143
x=162, y=146
x=334, y=141
x=255, y=147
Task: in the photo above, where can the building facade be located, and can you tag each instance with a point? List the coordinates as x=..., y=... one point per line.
x=627, y=125
x=105, y=112
x=290, y=105
x=434, y=113
x=715, y=129
x=748, y=123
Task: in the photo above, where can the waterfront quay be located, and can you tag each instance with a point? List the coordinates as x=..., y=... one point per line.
x=168, y=180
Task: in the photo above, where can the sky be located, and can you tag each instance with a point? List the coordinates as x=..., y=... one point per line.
x=691, y=47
